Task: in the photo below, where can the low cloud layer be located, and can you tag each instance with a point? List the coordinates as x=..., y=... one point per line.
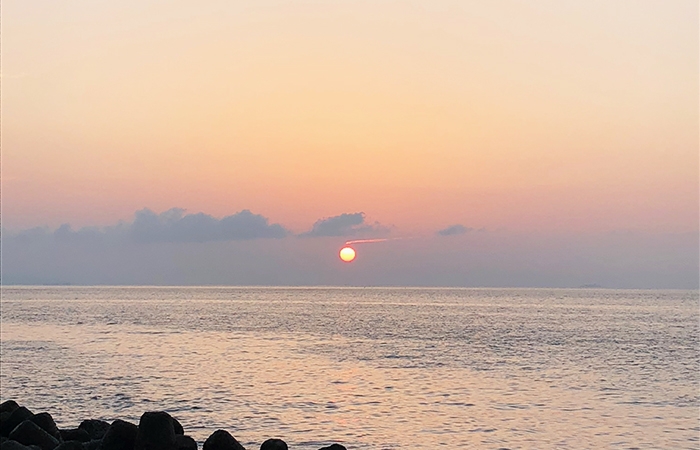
x=176, y=248
x=343, y=225
x=174, y=226
x=454, y=230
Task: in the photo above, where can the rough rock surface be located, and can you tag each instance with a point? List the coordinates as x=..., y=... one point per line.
x=156, y=432
x=274, y=444
x=17, y=416
x=9, y=444
x=76, y=434
x=121, y=435
x=20, y=429
x=29, y=433
x=46, y=422
x=183, y=442
x=222, y=440
x=177, y=427
x=95, y=428
x=8, y=406
x=70, y=445
x=92, y=445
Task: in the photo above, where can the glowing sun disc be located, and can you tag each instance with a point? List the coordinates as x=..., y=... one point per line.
x=347, y=254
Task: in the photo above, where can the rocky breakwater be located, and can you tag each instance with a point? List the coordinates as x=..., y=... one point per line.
x=21, y=429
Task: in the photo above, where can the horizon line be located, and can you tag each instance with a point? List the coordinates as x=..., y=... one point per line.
x=321, y=286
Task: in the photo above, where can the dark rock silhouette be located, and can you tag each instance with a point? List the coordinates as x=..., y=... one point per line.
x=177, y=427
x=9, y=444
x=6, y=409
x=20, y=429
x=121, y=435
x=17, y=416
x=46, y=422
x=29, y=433
x=92, y=445
x=95, y=428
x=70, y=445
x=183, y=442
x=274, y=444
x=75, y=434
x=8, y=406
x=156, y=432
x=3, y=417
x=222, y=440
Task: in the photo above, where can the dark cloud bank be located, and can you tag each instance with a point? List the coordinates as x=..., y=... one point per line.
x=172, y=226
x=344, y=225
x=175, y=226
x=454, y=230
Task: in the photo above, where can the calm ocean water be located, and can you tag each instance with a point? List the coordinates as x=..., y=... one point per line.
x=370, y=368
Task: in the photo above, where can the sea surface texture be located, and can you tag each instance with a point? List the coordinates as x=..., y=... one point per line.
x=370, y=368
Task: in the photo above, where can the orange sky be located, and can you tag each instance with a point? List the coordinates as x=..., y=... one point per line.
x=541, y=115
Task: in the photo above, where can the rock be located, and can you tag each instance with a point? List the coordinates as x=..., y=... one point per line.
x=29, y=433
x=3, y=417
x=177, y=427
x=95, y=428
x=76, y=434
x=92, y=445
x=45, y=421
x=9, y=444
x=183, y=442
x=18, y=416
x=334, y=447
x=121, y=435
x=274, y=444
x=70, y=445
x=156, y=432
x=8, y=406
x=222, y=440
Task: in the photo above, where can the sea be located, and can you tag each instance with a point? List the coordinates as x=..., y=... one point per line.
x=369, y=368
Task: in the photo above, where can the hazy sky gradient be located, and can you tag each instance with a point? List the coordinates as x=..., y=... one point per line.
x=570, y=118
x=128, y=253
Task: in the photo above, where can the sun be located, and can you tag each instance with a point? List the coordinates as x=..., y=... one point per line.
x=347, y=254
